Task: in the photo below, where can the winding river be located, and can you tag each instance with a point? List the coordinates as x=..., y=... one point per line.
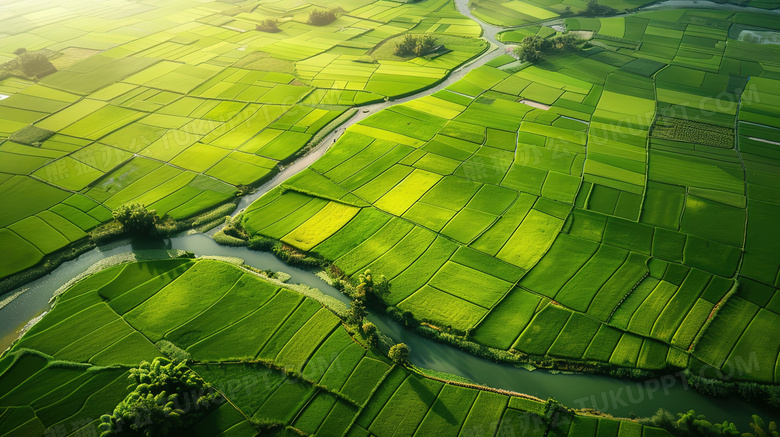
x=615, y=396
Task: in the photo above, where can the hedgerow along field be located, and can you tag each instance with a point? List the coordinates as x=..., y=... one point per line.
x=284, y=362
x=181, y=106
x=624, y=219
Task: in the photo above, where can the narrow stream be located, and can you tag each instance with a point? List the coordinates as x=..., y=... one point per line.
x=612, y=395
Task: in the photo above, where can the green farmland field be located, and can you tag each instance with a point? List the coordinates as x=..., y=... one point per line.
x=609, y=207
x=596, y=216
x=183, y=114
x=46, y=387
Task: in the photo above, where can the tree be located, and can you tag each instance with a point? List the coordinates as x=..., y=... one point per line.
x=406, y=47
x=761, y=429
x=35, y=64
x=594, y=9
x=426, y=44
x=532, y=47
x=566, y=41
x=411, y=45
x=399, y=353
x=528, y=54
x=136, y=219
x=167, y=399
x=695, y=425
x=356, y=313
x=269, y=26
x=371, y=334
x=661, y=419
x=322, y=17
x=369, y=291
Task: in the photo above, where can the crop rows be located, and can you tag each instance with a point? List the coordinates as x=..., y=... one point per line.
x=180, y=117
x=277, y=356
x=587, y=238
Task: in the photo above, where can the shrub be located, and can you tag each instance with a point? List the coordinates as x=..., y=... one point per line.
x=399, y=353
x=172, y=351
x=406, y=47
x=269, y=26
x=425, y=45
x=320, y=17
x=372, y=292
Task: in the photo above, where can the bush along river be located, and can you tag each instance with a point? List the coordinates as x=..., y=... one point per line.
x=615, y=396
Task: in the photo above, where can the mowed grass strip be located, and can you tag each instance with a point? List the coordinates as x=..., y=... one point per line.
x=403, y=254
x=303, y=344
x=580, y=290
x=485, y=414
x=374, y=247
x=367, y=375
x=365, y=224
x=564, y=259
x=421, y=271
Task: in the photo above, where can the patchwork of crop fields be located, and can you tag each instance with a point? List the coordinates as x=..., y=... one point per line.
x=569, y=229
x=523, y=12
x=73, y=365
x=612, y=206
x=181, y=104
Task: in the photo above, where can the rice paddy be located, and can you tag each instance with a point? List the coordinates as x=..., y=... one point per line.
x=304, y=373
x=599, y=202
x=611, y=207
x=182, y=116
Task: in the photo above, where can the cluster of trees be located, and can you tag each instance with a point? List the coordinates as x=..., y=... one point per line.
x=136, y=219
x=367, y=292
x=415, y=45
x=690, y=424
x=533, y=47
x=269, y=26
x=323, y=17
x=167, y=399
x=371, y=292
x=594, y=9
x=31, y=64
